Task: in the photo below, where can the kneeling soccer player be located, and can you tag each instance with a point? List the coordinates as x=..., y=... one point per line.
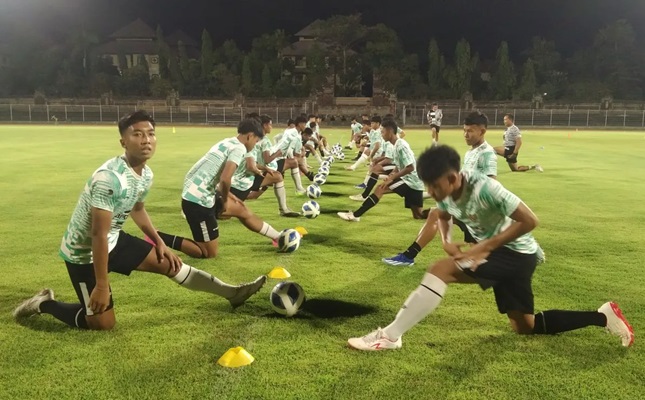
x=504, y=258
x=95, y=244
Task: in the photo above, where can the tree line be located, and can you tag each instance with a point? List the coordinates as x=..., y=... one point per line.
x=346, y=55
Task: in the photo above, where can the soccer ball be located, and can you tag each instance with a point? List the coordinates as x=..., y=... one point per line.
x=320, y=179
x=288, y=241
x=311, y=209
x=287, y=298
x=330, y=159
x=323, y=170
x=325, y=164
x=313, y=191
x=340, y=156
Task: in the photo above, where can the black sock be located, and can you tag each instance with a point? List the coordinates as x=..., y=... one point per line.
x=71, y=314
x=310, y=175
x=412, y=251
x=556, y=321
x=172, y=241
x=369, y=202
x=370, y=185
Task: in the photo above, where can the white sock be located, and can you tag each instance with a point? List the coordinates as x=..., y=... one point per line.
x=195, y=279
x=268, y=231
x=367, y=177
x=360, y=161
x=281, y=195
x=351, y=144
x=295, y=174
x=318, y=157
x=419, y=304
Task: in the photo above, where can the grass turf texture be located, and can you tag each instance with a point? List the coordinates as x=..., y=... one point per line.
x=168, y=339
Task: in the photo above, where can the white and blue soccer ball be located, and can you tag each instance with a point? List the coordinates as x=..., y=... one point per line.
x=311, y=209
x=325, y=164
x=320, y=179
x=313, y=191
x=287, y=298
x=288, y=241
x=330, y=159
x=323, y=170
x=340, y=156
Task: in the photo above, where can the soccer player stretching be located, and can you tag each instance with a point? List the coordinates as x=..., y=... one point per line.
x=504, y=258
x=95, y=244
x=512, y=144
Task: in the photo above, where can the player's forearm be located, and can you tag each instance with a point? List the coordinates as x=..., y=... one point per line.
x=518, y=145
x=224, y=189
x=445, y=230
x=403, y=172
x=100, y=259
x=514, y=231
x=143, y=221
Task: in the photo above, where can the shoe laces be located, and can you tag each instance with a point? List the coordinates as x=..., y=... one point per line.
x=373, y=336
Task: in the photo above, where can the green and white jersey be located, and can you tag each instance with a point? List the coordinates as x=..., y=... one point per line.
x=242, y=177
x=388, y=150
x=374, y=136
x=203, y=177
x=265, y=145
x=403, y=156
x=289, y=143
x=482, y=159
x=356, y=128
x=485, y=207
x=113, y=187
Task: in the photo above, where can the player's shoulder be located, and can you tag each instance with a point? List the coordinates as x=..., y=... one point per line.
x=112, y=171
x=486, y=148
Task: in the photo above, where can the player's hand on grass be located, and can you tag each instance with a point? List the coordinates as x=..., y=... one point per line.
x=100, y=298
x=163, y=252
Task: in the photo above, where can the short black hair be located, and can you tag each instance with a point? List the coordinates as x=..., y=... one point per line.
x=476, y=118
x=250, y=125
x=307, y=131
x=311, y=116
x=138, y=116
x=290, y=121
x=390, y=124
x=366, y=122
x=312, y=125
x=354, y=118
x=301, y=120
x=376, y=118
x=435, y=104
x=388, y=116
x=265, y=119
x=510, y=116
x=436, y=161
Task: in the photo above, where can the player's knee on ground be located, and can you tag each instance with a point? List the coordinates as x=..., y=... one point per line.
x=102, y=322
x=521, y=323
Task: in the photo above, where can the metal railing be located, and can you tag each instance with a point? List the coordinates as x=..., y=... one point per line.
x=25, y=113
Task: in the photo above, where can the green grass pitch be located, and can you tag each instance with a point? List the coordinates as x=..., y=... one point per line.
x=590, y=201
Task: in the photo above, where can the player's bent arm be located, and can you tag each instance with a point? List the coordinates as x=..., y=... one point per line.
x=225, y=179
x=101, y=223
x=140, y=217
x=518, y=144
x=445, y=227
x=266, y=156
x=252, y=166
x=524, y=222
x=396, y=175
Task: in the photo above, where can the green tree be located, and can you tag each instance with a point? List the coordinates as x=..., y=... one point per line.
x=267, y=81
x=207, y=56
x=436, y=66
x=383, y=54
x=528, y=87
x=247, y=78
x=459, y=75
x=503, y=79
x=163, y=51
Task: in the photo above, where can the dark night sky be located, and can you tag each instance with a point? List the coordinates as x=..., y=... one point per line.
x=484, y=23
